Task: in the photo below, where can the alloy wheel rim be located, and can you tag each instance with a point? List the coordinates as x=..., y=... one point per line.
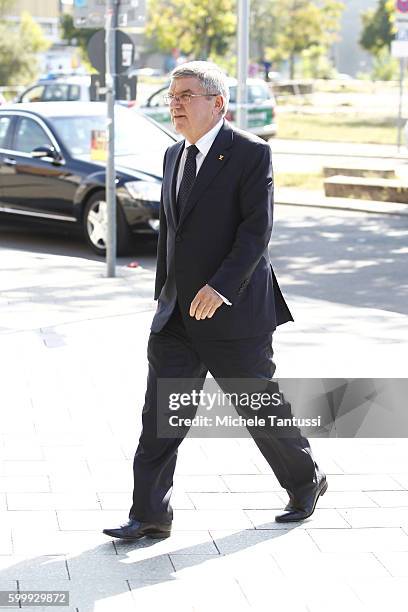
x=97, y=224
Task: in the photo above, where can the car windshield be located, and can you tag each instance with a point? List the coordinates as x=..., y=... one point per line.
x=134, y=135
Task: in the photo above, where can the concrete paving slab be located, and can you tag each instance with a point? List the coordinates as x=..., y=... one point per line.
x=347, y=499
x=193, y=594
x=396, y=563
x=88, y=520
x=6, y=542
x=375, y=517
x=180, y=543
x=52, y=501
x=367, y=539
x=123, y=501
x=201, y=483
x=18, y=567
x=112, y=567
x=62, y=543
x=380, y=593
x=389, y=499
x=30, y=520
x=260, y=565
x=295, y=540
x=330, y=565
x=363, y=482
x=321, y=519
x=211, y=519
x=225, y=501
x=252, y=483
x=89, y=596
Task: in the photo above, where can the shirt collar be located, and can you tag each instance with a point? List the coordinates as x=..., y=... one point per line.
x=204, y=143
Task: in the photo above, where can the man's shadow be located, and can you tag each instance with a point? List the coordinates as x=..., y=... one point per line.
x=108, y=571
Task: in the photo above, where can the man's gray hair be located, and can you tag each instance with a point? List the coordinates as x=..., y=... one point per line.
x=211, y=77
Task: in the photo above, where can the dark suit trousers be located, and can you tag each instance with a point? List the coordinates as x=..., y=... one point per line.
x=173, y=354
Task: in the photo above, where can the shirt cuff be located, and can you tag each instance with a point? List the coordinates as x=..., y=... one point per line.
x=224, y=299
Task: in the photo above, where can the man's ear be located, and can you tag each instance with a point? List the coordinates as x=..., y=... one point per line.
x=219, y=103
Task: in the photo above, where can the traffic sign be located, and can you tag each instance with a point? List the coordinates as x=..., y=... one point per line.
x=399, y=48
x=125, y=87
x=401, y=11
x=124, y=47
x=91, y=13
x=402, y=6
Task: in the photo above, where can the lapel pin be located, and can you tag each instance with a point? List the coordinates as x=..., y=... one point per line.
x=221, y=157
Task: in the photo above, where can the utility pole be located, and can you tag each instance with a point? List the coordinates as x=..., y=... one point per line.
x=243, y=51
x=110, y=188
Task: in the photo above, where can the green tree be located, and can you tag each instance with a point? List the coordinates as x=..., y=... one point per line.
x=378, y=27
x=19, y=49
x=202, y=28
x=78, y=37
x=300, y=25
x=5, y=5
x=73, y=35
x=263, y=26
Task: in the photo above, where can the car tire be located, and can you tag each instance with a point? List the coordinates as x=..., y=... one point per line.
x=94, y=225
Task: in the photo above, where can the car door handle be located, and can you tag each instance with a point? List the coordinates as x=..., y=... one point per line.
x=9, y=161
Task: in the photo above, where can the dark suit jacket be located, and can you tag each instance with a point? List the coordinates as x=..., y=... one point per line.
x=222, y=237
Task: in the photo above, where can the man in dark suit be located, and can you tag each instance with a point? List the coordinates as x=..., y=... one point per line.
x=218, y=298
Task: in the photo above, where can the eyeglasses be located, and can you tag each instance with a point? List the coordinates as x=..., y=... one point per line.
x=185, y=98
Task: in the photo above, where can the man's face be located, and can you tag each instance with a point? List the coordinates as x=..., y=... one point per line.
x=195, y=118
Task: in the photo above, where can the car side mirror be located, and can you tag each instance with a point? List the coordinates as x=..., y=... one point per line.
x=45, y=151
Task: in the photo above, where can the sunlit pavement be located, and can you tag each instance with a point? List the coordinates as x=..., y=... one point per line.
x=73, y=370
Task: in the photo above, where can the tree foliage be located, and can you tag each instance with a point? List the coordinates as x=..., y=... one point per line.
x=19, y=50
x=70, y=33
x=301, y=25
x=201, y=28
x=378, y=27
x=263, y=26
x=5, y=5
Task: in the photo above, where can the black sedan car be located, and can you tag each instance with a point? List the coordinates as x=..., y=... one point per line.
x=51, y=168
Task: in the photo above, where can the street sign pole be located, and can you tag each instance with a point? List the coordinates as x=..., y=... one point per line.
x=110, y=78
x=243, y=47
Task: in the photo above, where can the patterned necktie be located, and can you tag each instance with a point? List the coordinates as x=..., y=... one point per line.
x=189, y=175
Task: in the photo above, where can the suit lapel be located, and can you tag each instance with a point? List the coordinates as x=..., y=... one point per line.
x=213, y=163
x=173, y=164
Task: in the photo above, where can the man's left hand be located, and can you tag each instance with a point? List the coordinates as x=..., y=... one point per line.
x=205, y=303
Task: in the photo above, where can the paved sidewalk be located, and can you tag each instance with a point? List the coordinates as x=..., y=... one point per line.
x=311, y=198
x=73, y=367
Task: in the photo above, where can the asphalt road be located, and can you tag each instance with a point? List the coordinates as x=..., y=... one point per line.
x=346, y=257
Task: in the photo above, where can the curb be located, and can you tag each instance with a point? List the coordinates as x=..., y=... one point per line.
x=375, y=207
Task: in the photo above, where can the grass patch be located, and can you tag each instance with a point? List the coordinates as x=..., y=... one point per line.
x=301, y=180
x=338, y=127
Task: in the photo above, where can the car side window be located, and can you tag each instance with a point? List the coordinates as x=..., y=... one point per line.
x=35, y=94
x=4, y=125
x=258, y=93
x=56, y=93
x=74, y=92
x=29, y=135
x=233, y=94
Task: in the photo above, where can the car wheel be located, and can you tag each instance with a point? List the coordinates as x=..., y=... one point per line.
x=95, y=225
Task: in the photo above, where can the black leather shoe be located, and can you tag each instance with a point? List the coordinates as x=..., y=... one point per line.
x=302, y=504
x=134, y=530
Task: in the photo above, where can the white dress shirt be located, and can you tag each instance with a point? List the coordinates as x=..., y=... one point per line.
x=203, y=145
